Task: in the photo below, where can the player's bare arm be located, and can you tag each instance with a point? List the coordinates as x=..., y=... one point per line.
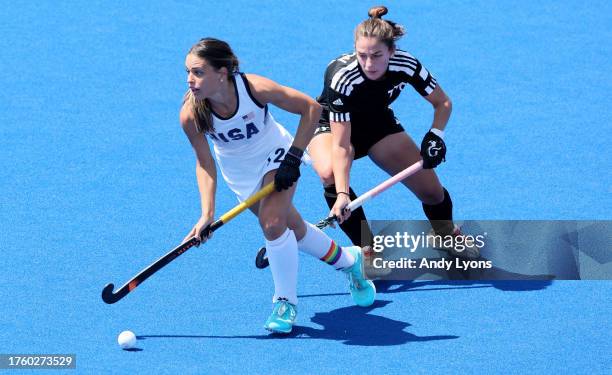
x=291, y=100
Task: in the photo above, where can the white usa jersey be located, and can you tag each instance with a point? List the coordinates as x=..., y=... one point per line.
x=249, y=143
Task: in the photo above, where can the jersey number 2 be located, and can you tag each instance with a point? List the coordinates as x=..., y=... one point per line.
x=279, y=155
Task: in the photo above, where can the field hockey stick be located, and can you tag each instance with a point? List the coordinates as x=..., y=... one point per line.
x=262, y=262
x=359, y=201
x=110, y=297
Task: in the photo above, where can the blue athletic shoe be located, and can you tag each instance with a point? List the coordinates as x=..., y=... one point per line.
x=363, y=291
x=282, y=318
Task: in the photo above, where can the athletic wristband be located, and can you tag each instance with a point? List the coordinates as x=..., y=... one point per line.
x=438, y=132
x=294, y=151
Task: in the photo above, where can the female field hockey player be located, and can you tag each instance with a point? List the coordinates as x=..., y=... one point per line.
x=231, y=109
x=357, y=121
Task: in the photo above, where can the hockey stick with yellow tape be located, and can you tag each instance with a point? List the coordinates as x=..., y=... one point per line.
x=110, y=297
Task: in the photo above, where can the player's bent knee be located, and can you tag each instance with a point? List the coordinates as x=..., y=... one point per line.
x=272, y=227
x=328, y=180
x=326, y=174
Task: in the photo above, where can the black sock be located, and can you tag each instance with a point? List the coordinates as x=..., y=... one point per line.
x=352, y=226
x=441, y=215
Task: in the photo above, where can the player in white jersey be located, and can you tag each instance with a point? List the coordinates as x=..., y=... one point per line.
x=252, y=150
x=249, y=143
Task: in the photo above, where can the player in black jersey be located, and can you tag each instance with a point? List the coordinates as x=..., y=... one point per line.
x=357, y=121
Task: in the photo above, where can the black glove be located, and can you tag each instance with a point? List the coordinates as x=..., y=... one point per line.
x=289, y=170
x=433, y=150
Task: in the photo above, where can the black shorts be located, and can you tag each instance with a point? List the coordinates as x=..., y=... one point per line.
x=366, y=129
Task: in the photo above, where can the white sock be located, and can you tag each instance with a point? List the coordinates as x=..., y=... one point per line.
x=319, y=245
x=282, y=255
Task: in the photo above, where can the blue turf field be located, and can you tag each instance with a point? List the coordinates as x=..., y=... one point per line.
x=97, y=181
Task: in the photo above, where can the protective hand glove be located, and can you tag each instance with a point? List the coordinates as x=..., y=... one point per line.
x=433, y=150
x=289, y=170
